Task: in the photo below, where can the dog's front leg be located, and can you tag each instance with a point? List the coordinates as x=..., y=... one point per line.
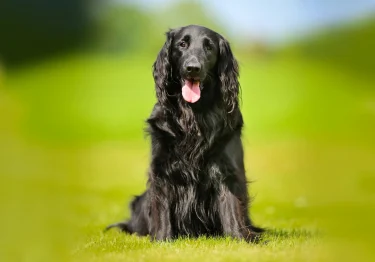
x=160, y=219
x=233, y=217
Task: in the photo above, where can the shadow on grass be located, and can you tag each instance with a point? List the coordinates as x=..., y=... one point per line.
x=269, y=237
x=277, y=235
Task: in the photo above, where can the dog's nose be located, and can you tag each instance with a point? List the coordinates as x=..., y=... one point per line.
x=193, y=67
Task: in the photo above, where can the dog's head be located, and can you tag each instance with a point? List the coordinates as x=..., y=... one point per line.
x=193, y=62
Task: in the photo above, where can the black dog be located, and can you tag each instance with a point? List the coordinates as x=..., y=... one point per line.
x=197, y=184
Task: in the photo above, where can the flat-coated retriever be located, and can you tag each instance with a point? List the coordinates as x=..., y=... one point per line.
x=196, y=180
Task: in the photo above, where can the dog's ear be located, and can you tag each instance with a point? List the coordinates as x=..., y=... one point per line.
x=228, y=74
x=162, y=70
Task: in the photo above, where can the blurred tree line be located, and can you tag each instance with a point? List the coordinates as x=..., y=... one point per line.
x=348, y=47
x=33, y=30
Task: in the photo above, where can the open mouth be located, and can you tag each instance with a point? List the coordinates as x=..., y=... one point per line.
x=191, y=90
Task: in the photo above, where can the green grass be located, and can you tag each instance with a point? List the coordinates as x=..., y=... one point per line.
x=73, y=154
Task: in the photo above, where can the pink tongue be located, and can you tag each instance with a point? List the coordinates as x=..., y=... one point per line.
x=191, y=91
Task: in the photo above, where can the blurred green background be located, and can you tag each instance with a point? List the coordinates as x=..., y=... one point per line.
x=76, y=87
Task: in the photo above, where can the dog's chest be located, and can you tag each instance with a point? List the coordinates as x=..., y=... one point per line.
x=195, y=208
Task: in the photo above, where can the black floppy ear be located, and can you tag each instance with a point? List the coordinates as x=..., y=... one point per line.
x=228, y=74
x=162, y=70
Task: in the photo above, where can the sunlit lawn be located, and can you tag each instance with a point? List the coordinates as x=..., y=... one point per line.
x=74, y=154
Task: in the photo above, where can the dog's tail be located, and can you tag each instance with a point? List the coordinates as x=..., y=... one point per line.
x=123, y=226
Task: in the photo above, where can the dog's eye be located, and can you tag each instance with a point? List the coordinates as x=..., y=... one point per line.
x=183, y=44
x=209, y=47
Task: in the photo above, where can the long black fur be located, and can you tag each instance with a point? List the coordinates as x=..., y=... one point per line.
x=196, y=180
